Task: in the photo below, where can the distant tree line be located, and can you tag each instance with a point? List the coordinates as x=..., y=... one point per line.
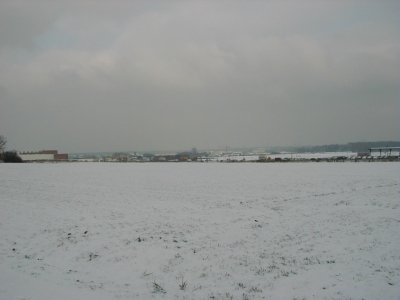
x=353, y=147
x=7, y=156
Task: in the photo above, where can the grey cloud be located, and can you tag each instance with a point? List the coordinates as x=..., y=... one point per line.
x=96, y=76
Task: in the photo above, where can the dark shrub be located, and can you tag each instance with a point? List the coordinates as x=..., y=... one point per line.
x=11, y=157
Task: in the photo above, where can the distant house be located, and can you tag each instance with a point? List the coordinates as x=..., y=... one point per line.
x=61, y=156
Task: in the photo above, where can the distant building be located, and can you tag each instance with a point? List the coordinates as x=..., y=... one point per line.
x=43, y=155
x=61, y=156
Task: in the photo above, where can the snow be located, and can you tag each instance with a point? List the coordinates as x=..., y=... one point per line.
x=200, y=231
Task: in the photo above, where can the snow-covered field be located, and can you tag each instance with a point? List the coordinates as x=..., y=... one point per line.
x=200, y=231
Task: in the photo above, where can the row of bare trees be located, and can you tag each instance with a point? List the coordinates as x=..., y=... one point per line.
x=7, y=156
x=3, y=143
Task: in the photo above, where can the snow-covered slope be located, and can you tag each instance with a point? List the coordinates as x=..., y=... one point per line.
x=200, y=231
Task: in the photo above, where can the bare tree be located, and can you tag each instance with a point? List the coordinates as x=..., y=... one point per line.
x=3, y=142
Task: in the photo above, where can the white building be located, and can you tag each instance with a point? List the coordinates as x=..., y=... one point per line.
x=44, y=155
x=36, y=157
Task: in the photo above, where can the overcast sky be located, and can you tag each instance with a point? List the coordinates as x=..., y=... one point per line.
x=169, y=75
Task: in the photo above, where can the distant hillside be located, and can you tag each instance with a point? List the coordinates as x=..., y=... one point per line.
x=354, y=147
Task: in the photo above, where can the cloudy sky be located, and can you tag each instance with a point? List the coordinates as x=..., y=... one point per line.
x=168, y=75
